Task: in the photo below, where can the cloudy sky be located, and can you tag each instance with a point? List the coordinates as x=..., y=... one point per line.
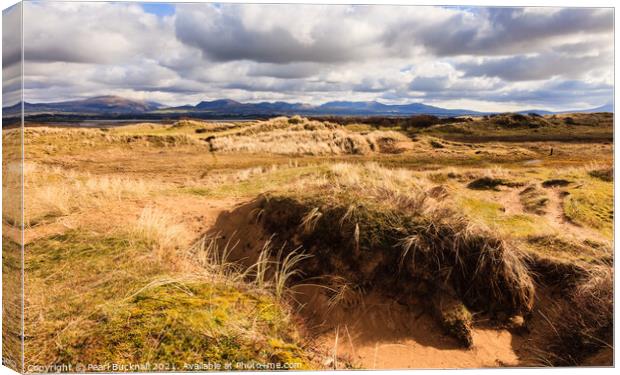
x=456, y=57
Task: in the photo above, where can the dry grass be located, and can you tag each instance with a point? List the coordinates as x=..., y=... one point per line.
x=158, y=297
x=523, y=128
x=306, y=142
x=198, y=127
x=12, y=194
x=52, y=192
x=158, y=228
x=162, y=289
x=392, y=209
x=295, y=123
x=352, y=217
x=585, y=323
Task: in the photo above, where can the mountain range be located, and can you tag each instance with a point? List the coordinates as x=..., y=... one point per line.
x=106, y=106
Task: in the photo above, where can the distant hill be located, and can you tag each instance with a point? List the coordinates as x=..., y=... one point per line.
x=609, y=107
x=118, y=107
x=96, y=105
x=229, y=107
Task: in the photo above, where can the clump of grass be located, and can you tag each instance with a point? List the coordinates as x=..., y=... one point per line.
x=214, y=258
x=555, y=182
x=286, y=269
x=342, y=292
x=274, y=271
x=438, y=247
x=604, y=174
x=558, y=247
x=455, y=319
x=302, y=142
x=438, y=192
x=587, y=326
x=436, y=144
x=310, y=219
x=158, y=228
x=295, y=120
x=490, y=183
x=534, y=200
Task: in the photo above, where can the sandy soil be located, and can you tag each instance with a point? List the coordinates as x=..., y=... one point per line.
x=381, y=333
x=373, y=331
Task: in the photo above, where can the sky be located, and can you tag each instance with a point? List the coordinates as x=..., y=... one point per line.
x=480, y=58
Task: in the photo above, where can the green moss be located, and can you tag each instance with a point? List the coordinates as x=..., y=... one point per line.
x=493, y=214
x=591, y=204
x=456, y=320
x=198, y=323
x=563, y=249
x=108, y=301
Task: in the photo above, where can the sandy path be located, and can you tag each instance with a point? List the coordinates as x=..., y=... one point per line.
x=555, y=215
x=511, y=200
x=554, y=212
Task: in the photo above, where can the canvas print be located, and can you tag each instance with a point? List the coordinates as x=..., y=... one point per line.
x=222, y=187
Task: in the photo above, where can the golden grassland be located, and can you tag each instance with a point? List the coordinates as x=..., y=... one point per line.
x=187, y=243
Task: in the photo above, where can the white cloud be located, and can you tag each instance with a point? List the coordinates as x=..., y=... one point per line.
x=554, y=57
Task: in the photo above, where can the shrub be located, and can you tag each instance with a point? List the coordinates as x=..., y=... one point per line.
x=487, y=183
x=605, y=174
x=295, y=120
x=436, y=144
x=555, y=182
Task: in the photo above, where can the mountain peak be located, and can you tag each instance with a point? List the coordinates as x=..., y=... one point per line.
x=217, y=103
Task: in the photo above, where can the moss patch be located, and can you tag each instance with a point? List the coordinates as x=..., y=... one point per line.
x=591, y=204
x=493, y=214
x=108, y=299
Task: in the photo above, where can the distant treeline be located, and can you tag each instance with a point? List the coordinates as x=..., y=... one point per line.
x=411, y=122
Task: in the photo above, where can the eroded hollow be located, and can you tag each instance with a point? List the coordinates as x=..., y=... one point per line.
x=416, y=263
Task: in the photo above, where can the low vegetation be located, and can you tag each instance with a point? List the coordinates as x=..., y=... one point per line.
x=515, y=127
x=196, y=242
x=590, y=204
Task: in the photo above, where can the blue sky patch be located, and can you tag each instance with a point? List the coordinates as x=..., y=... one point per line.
x=159, y=9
